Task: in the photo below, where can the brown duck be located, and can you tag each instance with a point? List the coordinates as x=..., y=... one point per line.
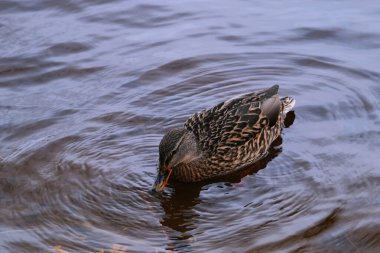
x=222, y=139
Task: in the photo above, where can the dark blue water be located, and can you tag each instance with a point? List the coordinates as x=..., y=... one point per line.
x=88, y=88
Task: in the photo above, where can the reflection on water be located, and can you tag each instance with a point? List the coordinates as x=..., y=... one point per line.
x=88, y=88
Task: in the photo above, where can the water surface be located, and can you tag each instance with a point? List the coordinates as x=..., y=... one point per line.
x=88, y=88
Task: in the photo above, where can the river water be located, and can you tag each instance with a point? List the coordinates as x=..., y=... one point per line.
x=88, y=88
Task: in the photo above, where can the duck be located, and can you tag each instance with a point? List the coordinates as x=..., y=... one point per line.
x=222, y=139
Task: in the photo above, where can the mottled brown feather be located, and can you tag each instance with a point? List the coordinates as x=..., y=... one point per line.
x=235, y=121
x=234, y=133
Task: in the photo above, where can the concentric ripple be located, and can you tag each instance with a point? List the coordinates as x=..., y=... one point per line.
x=88, y=88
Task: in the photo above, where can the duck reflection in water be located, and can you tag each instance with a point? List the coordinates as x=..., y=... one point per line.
x=181, y=199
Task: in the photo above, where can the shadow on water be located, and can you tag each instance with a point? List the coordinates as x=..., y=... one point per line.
x=179, y=203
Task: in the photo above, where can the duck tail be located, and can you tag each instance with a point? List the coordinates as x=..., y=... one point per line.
x=288, y=104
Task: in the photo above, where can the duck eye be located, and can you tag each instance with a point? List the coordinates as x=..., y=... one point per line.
x=169, y=158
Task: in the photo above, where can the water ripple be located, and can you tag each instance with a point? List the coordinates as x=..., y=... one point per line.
x=88, y=88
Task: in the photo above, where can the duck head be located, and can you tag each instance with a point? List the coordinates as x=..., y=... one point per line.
x=177, y=146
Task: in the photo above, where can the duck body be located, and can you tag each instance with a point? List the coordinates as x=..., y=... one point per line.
x=226, y=137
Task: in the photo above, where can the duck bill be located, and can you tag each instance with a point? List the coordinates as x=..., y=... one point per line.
x=162, y=180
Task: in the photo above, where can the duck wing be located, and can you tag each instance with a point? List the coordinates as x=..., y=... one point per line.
x=232, y=123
